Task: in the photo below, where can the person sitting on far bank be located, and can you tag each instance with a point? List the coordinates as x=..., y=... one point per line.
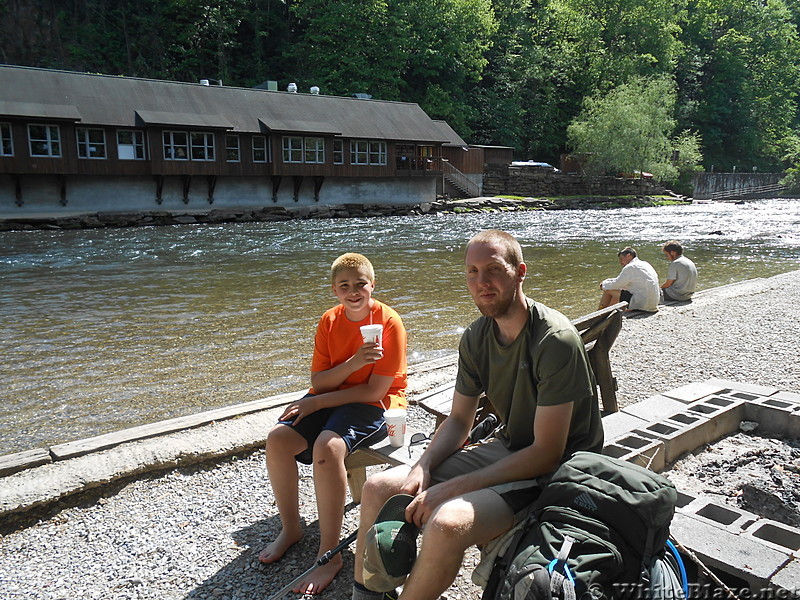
x=531, y=362
x=682, y=274
x=636, y=284
x=353, y=382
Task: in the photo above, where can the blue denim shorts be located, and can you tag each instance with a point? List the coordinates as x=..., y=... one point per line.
x=357, y=424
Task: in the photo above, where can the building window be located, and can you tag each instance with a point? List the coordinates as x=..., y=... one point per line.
x=45, y=140
x=176, y=145
x=292, y=149
x=232, y=153
x=91, y=142
x=377, y=153
x=6, y=142
x=359, y=153
x=260, y=152
x=315, y=149
x=338, y=152
x=130, y=144
x=202, y=146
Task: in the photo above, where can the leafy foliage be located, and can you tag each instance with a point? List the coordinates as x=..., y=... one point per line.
x=506, y=72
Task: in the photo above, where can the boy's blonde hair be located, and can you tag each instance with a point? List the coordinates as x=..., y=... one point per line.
x=352, y=260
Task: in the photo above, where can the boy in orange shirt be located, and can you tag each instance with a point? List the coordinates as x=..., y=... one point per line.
x=352, y=384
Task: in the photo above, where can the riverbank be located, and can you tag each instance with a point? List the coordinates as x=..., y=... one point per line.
x=195, y=532
x=76, y=220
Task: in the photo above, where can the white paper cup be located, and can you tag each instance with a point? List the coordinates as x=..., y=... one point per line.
x=396, y=424
x=372, y=333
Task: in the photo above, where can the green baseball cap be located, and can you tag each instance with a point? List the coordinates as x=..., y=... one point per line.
x=391, y=546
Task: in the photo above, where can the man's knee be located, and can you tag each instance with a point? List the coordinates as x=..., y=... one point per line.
x=382, y=486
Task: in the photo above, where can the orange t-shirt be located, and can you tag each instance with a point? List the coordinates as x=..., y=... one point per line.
x=338, y=338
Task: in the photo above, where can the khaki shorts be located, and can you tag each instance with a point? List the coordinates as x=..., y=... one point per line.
x=519, y=495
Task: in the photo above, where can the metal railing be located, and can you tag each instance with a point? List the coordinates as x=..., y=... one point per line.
x=459, y=180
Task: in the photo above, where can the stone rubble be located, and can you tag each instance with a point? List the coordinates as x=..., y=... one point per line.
x=195, y=532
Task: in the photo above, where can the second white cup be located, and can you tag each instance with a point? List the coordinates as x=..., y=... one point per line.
x=396, y=424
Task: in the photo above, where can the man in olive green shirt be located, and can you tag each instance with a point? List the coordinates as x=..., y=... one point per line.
x=532, y=365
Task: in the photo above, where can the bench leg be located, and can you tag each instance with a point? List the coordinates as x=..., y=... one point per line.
x=356, y=478
x=601, y=365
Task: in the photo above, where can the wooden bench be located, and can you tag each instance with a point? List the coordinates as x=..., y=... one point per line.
x=598, y=330
x=380, y=454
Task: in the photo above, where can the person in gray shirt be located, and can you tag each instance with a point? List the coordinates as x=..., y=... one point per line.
x=682, y=274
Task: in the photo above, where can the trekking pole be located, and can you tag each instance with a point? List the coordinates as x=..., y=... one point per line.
x=322, y=560
x=704, y=568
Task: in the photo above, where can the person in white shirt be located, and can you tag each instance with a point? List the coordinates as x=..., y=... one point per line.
x=637, y=284
x=682, y=274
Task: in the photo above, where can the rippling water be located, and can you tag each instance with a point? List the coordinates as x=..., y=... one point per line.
x=108, y=328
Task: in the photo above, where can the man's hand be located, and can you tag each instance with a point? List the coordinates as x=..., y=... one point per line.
x=299, y=409
x=422, y=506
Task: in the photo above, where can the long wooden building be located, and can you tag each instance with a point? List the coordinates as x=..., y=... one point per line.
x=84, y=143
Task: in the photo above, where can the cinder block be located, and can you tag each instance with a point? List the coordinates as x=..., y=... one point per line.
x=726, y=413
x=776, y=535
x=774, y=416
x=787, y=580
x=728, y=517
x=647, y=453
x=694, y=391
x=738, y=555
x=682, y=432
x=654, y=408
x=618, y=424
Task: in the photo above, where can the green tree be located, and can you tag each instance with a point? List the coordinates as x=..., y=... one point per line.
x=628, y=129
x=739, y=80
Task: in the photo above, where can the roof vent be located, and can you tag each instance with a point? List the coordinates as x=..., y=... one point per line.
x=292, y=87
x=315, y=90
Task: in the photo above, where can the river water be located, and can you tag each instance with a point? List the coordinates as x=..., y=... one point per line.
x=103, y=329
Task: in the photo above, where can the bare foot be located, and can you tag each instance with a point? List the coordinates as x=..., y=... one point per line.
x=320, y=578
x=275, y=551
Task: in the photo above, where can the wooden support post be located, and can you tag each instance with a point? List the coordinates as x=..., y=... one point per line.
x=62, y=184
x=187, y=183
x=318, y=181
x=601, y=363
x=298, y=181
x=159, y=189
x=212, y=184
x=276, y=183
x=18, y=189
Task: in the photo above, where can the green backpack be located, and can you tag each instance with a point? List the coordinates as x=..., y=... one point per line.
x=599, y=529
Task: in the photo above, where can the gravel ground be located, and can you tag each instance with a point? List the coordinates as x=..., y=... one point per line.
x=196, y=532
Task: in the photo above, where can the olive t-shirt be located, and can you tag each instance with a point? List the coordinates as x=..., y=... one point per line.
x=546, y=365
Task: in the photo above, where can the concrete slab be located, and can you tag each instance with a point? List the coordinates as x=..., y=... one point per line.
x=788, y=580
x=752, y=388
x=737, y=555
x=788, y=396
x=618, y=424
x=694, y=391
x=654, y=408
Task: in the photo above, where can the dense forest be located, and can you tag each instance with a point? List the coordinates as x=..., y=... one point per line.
x=523, y=73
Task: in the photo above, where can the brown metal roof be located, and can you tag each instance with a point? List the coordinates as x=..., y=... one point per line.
x=453, y=139
x=115, y=101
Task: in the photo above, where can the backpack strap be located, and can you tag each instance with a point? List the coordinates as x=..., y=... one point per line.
x=502, y=563
x=562, y=585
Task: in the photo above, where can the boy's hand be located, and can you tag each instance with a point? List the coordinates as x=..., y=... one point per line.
x=368, y=354
x=299, y=409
